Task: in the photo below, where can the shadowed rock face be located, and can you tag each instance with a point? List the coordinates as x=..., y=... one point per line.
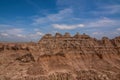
x=26, y=58
x=61, y=57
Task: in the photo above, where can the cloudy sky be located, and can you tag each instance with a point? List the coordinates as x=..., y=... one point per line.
x=28, y=20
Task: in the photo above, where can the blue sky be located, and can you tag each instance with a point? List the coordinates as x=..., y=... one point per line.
x=28, y=20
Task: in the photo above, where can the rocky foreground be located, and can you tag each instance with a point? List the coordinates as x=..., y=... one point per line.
x=61, y=57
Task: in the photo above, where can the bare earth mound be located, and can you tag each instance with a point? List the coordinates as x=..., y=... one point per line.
x=61, y=57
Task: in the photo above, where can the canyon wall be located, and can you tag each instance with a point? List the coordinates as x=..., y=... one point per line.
x=61, y=57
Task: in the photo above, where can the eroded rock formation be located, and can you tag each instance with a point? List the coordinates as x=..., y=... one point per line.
x=61, y=57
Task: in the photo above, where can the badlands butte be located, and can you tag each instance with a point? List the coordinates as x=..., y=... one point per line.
x=61, y=57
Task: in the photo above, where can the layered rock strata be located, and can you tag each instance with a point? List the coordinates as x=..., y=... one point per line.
x=61, y=57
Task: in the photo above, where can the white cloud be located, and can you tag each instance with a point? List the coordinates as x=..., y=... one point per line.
x=67, y=27
x=61, y=15
x=113, y=9
x=109, y=9
x=4, y=25
x=11, y=33
x=115, y=33
x=104, y=22
x=80, y=25
x=118, y=29
x=4, y=34
x=33, y=4
x=36, y=35
x=36, y=29
x=39, y=33
x=97, y=33
x=71, y=3
x=20, y=35
x=14, y=31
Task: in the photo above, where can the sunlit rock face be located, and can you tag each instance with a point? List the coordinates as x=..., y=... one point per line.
x=61, y=57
